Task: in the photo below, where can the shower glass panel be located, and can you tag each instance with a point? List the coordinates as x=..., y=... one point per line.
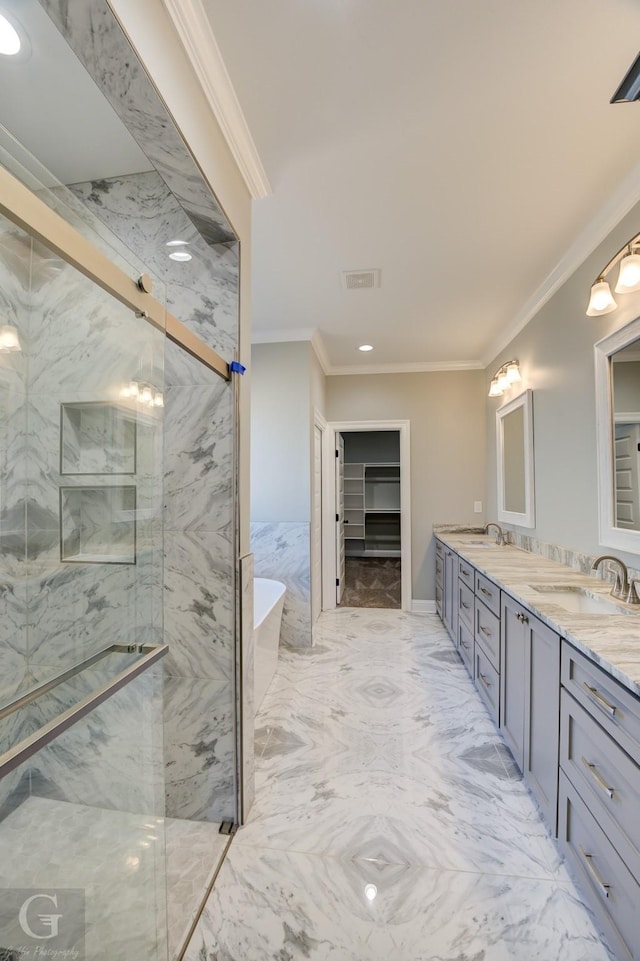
x=81, y=570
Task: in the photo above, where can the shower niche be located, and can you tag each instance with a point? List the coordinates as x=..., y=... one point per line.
x=98, y=521
x=97, y=437
x=98, y=524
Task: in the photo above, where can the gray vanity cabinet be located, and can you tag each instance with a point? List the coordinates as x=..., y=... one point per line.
x=447, y=588
x=530, y=701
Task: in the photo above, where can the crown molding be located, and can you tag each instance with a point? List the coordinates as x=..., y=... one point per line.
x=417, y=368
x=288, y=335
x=194, y=29
x=621, y=201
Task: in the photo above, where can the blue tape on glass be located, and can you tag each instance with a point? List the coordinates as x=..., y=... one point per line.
x=236, y=367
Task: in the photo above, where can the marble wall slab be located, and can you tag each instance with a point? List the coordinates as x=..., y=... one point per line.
x=283, y=552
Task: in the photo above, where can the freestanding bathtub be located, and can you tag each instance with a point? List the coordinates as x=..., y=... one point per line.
x=268, y=601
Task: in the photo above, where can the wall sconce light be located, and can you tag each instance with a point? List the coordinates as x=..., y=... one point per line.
x=9, y=339
x=504, y=377
x=602, y=300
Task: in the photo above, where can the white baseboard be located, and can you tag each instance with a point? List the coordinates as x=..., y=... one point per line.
x=423, y=607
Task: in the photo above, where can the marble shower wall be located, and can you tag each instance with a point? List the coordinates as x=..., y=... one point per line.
x=199, y=606
x=283, y=552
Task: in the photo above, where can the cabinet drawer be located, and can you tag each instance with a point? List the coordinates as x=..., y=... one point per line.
x=487, y=682
x=439, y=570
x=466, y=573
x=466, y=604
x=439, y=549
x=488, y=593
x=439, y=599
x=605, y=776
x=612, y=705
x=465, y=646
x=487, y=632
x=610, y=888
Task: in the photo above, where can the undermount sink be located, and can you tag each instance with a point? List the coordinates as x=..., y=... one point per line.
x=482, y=544
x=577, y=600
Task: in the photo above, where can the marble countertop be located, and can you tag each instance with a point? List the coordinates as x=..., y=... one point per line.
x=610, y=640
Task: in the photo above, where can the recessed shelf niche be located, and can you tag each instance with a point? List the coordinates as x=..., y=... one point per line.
x=98, y=525
x=96, y=437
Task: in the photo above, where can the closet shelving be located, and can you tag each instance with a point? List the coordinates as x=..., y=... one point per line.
x=372, y=509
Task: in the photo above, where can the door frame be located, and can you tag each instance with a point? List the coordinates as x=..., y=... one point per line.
x=329, y=492
x=320, y=422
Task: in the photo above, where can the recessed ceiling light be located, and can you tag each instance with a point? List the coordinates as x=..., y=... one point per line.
x=180, y=255
x=10, y=42
x=365, y=347
x=177, y=243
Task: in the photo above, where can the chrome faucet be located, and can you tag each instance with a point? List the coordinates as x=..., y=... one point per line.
x=622, y=589
x=500, y=539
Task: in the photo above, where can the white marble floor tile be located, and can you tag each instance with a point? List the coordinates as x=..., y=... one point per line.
x=377, y=763
x=284, y=905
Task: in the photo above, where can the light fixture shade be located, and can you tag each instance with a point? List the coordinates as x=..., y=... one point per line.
x=9, y=339
x=495, y=390
x=513, y=372
x=601, y=301
x=629, y=276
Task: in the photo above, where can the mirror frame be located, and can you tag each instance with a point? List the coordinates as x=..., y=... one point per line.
x=527, y=517
x=609, y=534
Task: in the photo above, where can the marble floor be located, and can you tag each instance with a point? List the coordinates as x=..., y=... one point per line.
x=390, y=822
x=116, y=859
x=372, y=582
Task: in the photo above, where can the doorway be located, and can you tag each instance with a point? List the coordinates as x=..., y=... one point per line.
x=371, y=529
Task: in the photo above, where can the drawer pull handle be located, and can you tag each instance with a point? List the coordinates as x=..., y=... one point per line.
x=597, y=777
x=522, y=618
x=484, y=630
x=466, y=606
x=464, y=644
x=602, y=884
x=486, y=592
x=463, y=572
x=600, y=700
x=484, y=680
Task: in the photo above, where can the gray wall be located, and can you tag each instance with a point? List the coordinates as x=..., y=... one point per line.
x=285, y=384
x=447, y=447
x=556, y=357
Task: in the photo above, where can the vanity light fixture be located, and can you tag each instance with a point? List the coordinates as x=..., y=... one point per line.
x=145, y=394
x=365, y=347
x=9, y=339
x=602, y=300
x=504, y=377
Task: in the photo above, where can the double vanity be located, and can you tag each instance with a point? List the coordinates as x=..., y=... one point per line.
x=556, y=660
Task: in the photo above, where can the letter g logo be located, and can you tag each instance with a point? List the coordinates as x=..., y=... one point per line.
x=49, y=921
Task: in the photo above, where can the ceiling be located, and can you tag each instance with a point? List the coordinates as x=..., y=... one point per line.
x=459, y=147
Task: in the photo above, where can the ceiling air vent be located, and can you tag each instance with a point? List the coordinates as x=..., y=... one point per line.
x=361, y=279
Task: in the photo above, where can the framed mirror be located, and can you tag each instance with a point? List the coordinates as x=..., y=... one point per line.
x=618, y=432
x=514, y=425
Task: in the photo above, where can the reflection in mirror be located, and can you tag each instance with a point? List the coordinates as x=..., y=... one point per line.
x=514, y=422
x=618, y=432
x=625, y=380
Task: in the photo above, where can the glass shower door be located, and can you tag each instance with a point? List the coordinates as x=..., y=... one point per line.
x=81, y=567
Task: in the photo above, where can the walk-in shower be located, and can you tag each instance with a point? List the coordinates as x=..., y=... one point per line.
x=120, y=648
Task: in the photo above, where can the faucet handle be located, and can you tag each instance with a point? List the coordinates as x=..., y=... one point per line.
x=632, y=596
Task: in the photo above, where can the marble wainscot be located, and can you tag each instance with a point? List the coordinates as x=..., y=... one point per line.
x=612, y=641
x=282, y=552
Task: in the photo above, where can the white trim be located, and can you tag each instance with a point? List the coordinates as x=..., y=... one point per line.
x=194, y=28
x=621, y=201
x=423, y=607
x=328, y=514
x=526, y=518
x=417, y=368
x=404, y=429
x=610, y=535
x=283, y=335
x=320, y=351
